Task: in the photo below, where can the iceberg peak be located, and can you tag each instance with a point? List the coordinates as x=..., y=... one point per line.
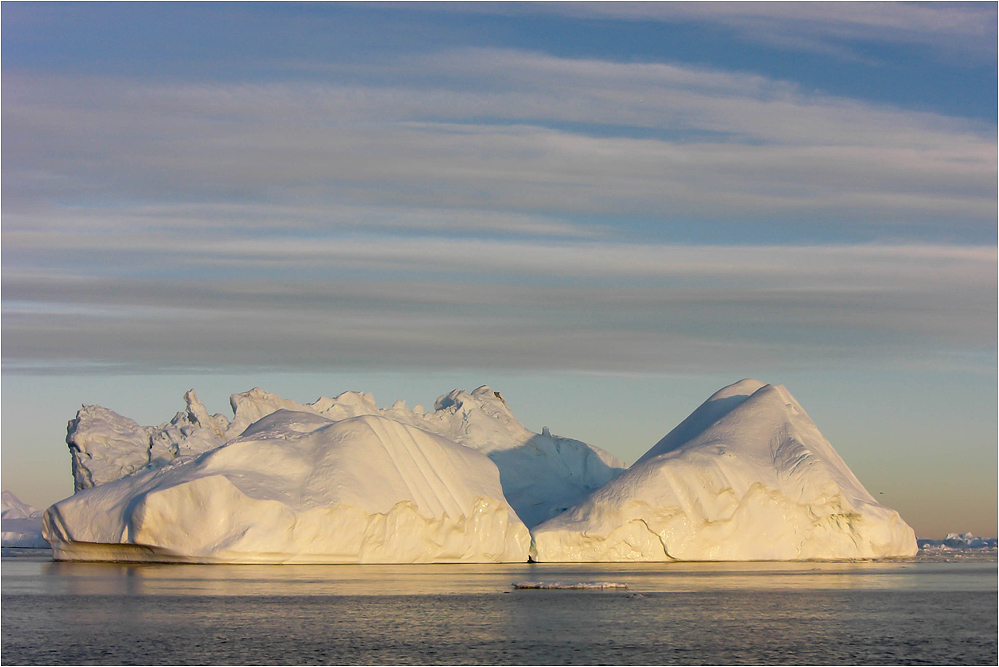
x=747, y=476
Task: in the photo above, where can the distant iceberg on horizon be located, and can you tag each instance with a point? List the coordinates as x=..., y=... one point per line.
x=21, y=524
x=958, y=541
x=747, y=476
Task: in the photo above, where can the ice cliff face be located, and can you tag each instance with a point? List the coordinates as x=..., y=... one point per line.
x=747, y=476
x=541, y=474
x=21, y=523
x=298, y=487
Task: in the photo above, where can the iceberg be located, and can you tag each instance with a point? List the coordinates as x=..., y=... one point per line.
x=298, y=487
x=541, y=474
x=747, y=476
x=106, y=446
x=959, y=541
x=21, y=524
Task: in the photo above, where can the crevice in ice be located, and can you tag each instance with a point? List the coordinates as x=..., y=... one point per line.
x=658, y=537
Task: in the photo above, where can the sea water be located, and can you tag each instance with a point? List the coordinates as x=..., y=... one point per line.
x=678, y=613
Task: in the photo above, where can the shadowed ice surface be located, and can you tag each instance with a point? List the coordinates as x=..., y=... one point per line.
x=717, y=613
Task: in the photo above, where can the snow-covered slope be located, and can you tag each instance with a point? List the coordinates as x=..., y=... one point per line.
x=541, y=474
x=21, y=523
x=747, y=476
x=299, y=487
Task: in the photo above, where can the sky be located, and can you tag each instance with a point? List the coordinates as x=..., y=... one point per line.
x=605, y=211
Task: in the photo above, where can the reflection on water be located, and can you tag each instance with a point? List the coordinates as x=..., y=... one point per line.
x=707, y=613
x=157, y=579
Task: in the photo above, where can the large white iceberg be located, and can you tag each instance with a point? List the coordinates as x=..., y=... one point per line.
x=298, y=487
x=541, y=474
x=21, y=523
x=747, y=476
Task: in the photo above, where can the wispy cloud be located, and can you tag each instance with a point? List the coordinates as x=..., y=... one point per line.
x=488, y=208
x=548, y=138
x=834, y=28
x=448, y=304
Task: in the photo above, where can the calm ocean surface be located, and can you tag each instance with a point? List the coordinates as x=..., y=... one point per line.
x=709, y=613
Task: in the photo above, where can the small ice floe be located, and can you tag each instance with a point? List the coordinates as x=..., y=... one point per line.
x=581, y=585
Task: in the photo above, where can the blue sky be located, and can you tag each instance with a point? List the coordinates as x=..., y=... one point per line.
x=607, y=212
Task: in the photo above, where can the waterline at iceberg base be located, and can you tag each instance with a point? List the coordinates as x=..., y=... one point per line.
x=747, y=476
